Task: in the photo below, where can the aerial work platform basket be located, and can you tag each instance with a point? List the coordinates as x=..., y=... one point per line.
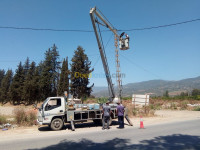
x=124, y=41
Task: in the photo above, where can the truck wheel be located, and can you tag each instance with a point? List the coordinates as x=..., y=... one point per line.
x=56, y=124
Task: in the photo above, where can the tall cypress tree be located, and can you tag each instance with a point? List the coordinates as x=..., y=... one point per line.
x=80, y=72
x=29, y=85
x=36, y=86
x=5, y=85
x=16, y=88
x=49, y=74
x=64, y=78
x=45, y=81
x=55, y=69
x=39, y=78
x=2, y=74
x=26, y=66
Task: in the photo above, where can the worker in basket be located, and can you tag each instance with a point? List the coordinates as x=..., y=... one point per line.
x=124, y=41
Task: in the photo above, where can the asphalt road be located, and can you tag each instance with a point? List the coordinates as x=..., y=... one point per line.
x=179, y=135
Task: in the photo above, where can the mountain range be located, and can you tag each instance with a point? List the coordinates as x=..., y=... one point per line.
x=153, y=87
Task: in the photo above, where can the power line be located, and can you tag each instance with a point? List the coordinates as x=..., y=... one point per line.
x=161, y=26
x=44, y=29
x=139, y=66
x=81, y=30
x=105, y=48
x=105, y=18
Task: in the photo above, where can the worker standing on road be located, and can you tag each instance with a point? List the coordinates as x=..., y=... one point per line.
x=106, y=115
x=120, y=113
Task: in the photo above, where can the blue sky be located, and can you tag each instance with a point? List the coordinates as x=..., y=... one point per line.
x=170, y=53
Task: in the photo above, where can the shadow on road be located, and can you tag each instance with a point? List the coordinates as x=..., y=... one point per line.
x=175, y=142
x=78, y=125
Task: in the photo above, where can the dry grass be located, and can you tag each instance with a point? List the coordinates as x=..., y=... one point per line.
x=172, y=104
x=25, y=118
x=138, y=111
x=90, y=101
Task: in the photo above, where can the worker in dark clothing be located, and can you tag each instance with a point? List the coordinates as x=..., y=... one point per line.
x=106, y=115
x=120, y=113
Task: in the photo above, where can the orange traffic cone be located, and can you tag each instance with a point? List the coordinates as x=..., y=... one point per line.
x=141, y=123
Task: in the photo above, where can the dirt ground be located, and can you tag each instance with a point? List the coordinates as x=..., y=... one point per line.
x=161, y=117
x=7, y=109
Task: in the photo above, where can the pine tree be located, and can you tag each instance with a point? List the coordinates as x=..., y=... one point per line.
x=55, y=69
x=49, y=74
x=45, y=82
x=2, y=74
x=36, y=86
x=26, y=66
x=64, y=78
x=5, y=85
x=80, y=72
x=38, y=77
x=166, y=94
x=29, y=85
x=16, y=88
x=195, y=93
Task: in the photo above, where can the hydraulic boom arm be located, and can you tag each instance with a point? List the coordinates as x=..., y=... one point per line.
x=93, y=13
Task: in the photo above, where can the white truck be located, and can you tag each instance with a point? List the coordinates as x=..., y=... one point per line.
x=55, y=112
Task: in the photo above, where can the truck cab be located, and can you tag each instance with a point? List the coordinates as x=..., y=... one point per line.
x=52, y=106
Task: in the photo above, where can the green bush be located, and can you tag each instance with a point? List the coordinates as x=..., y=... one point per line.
x=197, y=108
x=2, y=119
x=127, y=98
x=183, y=104
x=102, y=100
x=173, y=106
x=155, y=106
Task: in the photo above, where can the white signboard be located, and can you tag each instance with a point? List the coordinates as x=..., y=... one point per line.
x=140, y=99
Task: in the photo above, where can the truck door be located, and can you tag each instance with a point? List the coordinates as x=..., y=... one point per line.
x=53, y=107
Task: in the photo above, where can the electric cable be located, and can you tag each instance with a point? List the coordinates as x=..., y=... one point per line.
x=105, y=17
x=161, y=26
x=44, y=29
x=105, y=48
x=127, y=59
x=81, y=30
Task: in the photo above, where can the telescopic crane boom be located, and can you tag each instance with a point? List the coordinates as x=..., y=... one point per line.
x=94, y=14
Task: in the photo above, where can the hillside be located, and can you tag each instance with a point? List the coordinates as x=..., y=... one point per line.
x=156, y=87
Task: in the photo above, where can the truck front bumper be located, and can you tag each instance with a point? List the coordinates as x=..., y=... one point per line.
x=38, y=122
